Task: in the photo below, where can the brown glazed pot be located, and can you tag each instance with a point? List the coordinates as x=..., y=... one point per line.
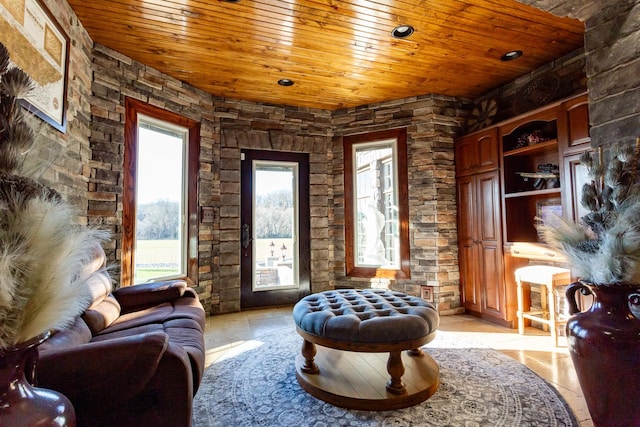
x=604, y=343
x=22, y=404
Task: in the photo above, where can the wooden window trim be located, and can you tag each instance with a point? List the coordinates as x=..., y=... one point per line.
x=133, y=108
x=404, y=272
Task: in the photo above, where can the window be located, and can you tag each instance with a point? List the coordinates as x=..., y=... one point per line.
x=376, y=204
x=159, y=239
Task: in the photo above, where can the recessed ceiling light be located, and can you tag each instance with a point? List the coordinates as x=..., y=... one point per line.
x=285, y=82
x=402, y=31
x=511, y=55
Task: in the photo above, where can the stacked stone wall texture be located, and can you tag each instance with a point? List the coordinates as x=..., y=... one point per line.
x=432, y=123
x=256, y=126
x=117, y=77
x=61, y=160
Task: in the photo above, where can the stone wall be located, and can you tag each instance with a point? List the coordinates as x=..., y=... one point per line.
x=247, y=125
x=116, y=77
x=226, y=127
x=612, y=47
x=61, y=160
x=432, y=123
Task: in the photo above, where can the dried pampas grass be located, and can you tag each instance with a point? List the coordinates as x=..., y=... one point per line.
x=41, y=254
x=613, y=257
x=603, y=248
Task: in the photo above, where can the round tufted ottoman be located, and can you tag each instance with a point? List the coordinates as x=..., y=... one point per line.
x=362, y=322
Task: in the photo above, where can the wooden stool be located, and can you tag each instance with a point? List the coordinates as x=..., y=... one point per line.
x=548, y=277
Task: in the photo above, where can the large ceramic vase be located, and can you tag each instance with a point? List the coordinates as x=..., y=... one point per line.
x=22, y=404
x=604, y=343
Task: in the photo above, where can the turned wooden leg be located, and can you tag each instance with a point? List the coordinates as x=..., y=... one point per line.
x=309, y=352
x=416, y=352
x=396, y=370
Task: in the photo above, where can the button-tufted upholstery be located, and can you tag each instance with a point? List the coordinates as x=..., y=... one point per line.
x=366, y=316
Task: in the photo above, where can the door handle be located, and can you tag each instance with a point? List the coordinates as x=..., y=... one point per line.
x=246, y=236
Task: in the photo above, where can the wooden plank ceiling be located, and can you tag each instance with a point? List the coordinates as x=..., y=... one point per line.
x=338, y=53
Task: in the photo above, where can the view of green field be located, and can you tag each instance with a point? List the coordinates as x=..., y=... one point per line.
x=156, y=258
x=159, y=258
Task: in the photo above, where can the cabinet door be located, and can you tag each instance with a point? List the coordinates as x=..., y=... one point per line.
x=465, y=156
x=576, y=123
x=491, y=281
x=488, y=208
x=487, y=143
x=490, y=244
x=477, y=152
x=468, y=249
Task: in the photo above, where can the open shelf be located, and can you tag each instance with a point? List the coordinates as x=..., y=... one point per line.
x=551, y=145
x=531, y=176
x=520, y=213
x=542, y=192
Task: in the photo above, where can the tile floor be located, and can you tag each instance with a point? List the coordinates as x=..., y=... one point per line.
x=534, y=349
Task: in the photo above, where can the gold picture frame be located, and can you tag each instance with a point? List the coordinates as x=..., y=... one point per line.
x=37, y=44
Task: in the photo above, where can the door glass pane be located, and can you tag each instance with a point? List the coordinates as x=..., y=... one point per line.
x=275, y=228
x=160, y=202
x=377, y=230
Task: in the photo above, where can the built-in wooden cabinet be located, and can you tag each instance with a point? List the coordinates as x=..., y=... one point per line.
x=540, y=164
x=477, y=152
x=507, y=175
x=530, y=173
x=479, y=225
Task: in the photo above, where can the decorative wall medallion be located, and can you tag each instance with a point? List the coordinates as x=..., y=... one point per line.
x=482, y=115
x=538, y=92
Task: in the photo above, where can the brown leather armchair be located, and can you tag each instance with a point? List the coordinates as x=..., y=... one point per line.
x=134, y=358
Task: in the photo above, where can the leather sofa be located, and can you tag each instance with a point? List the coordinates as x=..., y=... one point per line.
x=134, y=358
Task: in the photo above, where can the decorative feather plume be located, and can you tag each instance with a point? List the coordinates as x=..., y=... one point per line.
x=4, y=59
x=604, y=246
x=41, y=254
x=16, y=136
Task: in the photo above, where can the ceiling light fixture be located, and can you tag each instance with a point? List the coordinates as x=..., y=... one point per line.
x=285, y=82
x=511, y=55
x=402, y=31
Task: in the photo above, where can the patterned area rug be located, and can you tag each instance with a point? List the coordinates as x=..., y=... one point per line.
x=479, y=386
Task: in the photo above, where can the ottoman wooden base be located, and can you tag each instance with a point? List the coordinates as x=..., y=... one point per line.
x=356, y=380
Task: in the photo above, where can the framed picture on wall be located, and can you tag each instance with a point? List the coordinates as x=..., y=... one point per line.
x=37, y=44
x=547, y=209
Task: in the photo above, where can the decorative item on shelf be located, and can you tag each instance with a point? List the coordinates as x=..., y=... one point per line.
x=482, y=115
x=532, y=138
x=545, y=209
x=547, y=176
x=603, y=249
x=41, y=258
